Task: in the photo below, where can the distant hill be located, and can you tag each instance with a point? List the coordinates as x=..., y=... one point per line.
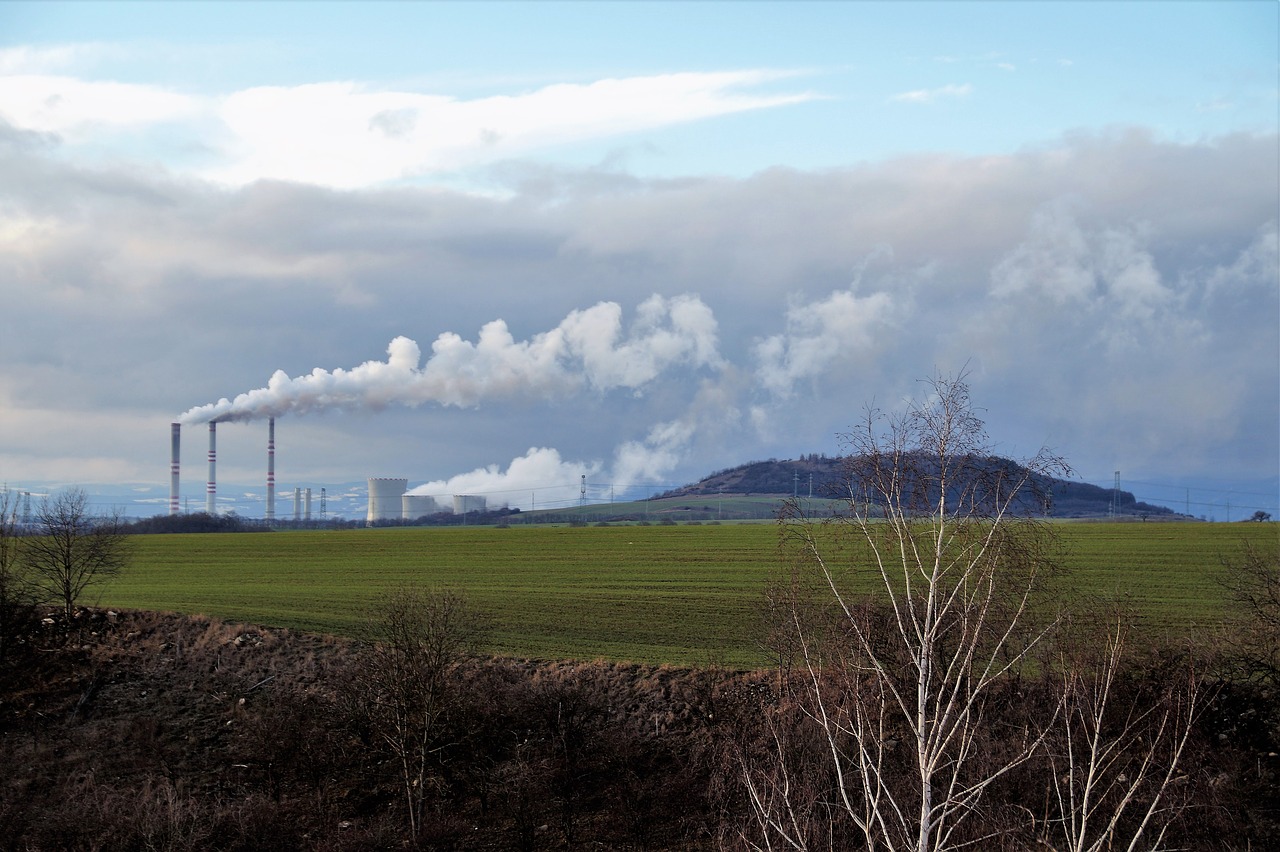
x=821, y=476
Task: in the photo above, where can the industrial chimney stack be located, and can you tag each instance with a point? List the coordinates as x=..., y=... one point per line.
x=211, y=490
x=271, y=470
x=176, y=430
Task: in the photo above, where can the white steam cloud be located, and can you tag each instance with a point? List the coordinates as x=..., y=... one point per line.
x=541, y=478
x=819, y=335
x=589, y=348
x=540, y=471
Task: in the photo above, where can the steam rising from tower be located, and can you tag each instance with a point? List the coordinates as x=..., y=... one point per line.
x=589, y=349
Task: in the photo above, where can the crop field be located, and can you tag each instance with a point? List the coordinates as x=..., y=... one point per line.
x=662, y=593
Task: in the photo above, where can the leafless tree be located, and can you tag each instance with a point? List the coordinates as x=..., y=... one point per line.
x=1253, y=581
x=70, y=549
x=1115, y=754
x=949, y=538
x=418, y=638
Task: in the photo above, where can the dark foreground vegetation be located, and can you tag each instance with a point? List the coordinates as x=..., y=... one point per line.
x=138, y=730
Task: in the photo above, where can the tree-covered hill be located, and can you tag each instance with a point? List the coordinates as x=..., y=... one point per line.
x=823, y=476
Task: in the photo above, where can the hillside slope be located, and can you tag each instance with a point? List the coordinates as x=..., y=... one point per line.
x=823, y=476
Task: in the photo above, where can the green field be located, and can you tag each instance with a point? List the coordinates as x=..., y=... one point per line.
x=681, y=594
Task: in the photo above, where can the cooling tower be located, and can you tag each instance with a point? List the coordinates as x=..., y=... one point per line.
x=384, y=498
x=211, y=490
x=463, y=503
x=176, y=430
x=413, y=506
x=271, y=469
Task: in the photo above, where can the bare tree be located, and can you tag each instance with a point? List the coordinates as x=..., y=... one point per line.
x=1115, y=755
x=949, y=538
x=71, y=549
x=1253, y=581
x=418, y=638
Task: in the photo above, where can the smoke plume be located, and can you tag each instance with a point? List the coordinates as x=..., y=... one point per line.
x=588, y=349
x=538, y=479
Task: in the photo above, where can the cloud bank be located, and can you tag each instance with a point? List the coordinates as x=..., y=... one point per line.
x=1114, y=296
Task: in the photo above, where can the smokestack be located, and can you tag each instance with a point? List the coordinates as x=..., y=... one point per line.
x=306, y=505
x=211, y=490
x=174, y=456
x=297, y=504
x=271, y=469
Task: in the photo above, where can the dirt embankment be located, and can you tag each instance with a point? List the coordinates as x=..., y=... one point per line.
x=137, y=730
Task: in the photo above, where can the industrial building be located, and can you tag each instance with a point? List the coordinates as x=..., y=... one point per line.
x=389, y=499
x=465, y=503
x=414, y=506
x=385, y=499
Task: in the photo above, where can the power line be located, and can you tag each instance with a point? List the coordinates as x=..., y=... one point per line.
x=1200, y=488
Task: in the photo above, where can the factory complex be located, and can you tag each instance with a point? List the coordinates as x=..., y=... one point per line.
x=390, y=499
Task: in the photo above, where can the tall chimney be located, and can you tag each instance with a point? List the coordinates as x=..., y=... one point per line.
x=174, y=456
x=297, y=504
x=271, y=469
x=306, y=505
x=211, y=490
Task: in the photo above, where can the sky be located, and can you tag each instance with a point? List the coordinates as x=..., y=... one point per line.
x=494, y=248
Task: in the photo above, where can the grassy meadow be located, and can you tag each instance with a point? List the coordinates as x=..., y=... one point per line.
x=678, y=594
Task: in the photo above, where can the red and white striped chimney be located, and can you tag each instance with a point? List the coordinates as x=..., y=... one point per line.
x=211, y=490
x=271, y=469
x=174, y=456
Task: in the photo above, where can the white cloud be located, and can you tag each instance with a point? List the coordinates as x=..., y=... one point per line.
x=820, y=336
x=1254, y=269
x=1107, y=269
x=26, y=59
x=540, y=479
x=655, y=457
x=340, y=134
x=925, y=96
x=66, y=105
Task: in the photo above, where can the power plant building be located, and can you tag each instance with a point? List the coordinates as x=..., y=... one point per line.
x=385, y=502
x=464, y=503
x=388, y=497
x=414, y=506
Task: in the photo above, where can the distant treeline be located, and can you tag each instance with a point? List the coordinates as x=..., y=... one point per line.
x=203, y=522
